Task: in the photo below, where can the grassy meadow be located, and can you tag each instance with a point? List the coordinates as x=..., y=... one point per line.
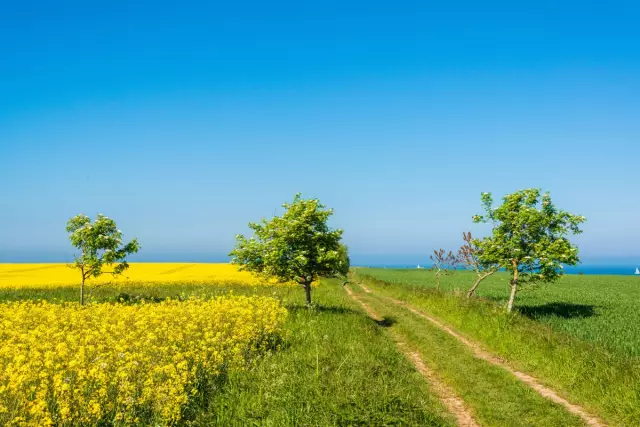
x=604, y=310
x=579, y=335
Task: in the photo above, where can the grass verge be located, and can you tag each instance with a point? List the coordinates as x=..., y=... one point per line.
x=336, y=368
x=603, y=310
x=494, y=396
x=603, y=382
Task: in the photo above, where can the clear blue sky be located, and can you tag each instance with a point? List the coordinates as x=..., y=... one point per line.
x=184, y=121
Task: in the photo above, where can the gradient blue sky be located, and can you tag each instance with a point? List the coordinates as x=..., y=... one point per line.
x=184, y=121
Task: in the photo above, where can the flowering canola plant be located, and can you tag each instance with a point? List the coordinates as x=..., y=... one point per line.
x=66, y=364
x=21, y=276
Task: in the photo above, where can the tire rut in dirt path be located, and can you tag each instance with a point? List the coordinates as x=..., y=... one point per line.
x=480, y=353
x=454, y=404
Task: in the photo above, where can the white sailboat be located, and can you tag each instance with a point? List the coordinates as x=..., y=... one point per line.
x=637, y=271
x=423, y=267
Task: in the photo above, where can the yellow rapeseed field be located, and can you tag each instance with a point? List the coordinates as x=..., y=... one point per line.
x=16, y=276
x=66, y=364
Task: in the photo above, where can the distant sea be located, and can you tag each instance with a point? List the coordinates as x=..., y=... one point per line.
x=619, y=266
x=621, y=270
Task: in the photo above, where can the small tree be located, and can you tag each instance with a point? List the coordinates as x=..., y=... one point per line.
x=297, y=246
x=528, y=238
x=443, y=263
x=100, y=246
x=344, y=262
x=469, y=258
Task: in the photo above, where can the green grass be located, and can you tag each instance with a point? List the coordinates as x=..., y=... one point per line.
x=495, y=397
x=604, y=310
x=338, y=368
x=335, y=366
x=590, y=370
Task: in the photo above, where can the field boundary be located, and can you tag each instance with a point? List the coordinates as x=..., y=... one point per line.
x=480, y=353
x=454, y=404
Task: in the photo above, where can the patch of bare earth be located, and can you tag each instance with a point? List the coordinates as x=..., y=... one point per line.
x=480, y=353
x=454, y=404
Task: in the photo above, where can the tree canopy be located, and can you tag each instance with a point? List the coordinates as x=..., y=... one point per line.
x=344, y=262
x=297, y=246
x=100, y=245
x=529, y=237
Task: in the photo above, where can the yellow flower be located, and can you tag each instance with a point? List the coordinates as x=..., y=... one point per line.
x=18, y=276
x=80, y=365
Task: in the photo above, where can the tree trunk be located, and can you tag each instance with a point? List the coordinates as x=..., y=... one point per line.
x=438, y=280
x=82, y=291
x=475, y=285
x=480, y=279
x=307, y=291
x=514, y=288
x=512, y=297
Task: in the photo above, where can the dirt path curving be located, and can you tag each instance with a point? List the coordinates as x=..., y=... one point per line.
x=480, y=353
x=454, y=404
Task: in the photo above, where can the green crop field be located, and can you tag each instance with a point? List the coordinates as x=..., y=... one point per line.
x=604, y=310
x=580, y=334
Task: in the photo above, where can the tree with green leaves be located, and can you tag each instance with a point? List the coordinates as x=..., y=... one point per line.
x=529, y=238
x=297, y=246
x=469, y=258
x=344, y=262
x=100, y=245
